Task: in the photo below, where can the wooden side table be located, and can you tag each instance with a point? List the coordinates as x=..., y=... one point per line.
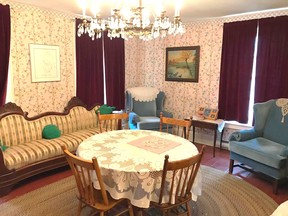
x=207, y=125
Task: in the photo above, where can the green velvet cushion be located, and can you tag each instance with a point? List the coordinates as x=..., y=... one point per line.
x=51, y=132
x=104, y=109
x=3, y=147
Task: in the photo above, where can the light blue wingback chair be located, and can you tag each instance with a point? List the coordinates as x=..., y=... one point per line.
x=264, y=148
x=144, y=105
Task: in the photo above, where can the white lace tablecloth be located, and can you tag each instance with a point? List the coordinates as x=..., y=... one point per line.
x=131, y=162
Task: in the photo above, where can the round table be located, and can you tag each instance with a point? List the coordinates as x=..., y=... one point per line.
x=131, y=162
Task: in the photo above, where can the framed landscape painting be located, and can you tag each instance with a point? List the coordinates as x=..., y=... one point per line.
x=182, y=64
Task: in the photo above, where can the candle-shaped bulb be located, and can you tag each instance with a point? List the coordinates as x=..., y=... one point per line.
x=83, y=5
x=177, y=8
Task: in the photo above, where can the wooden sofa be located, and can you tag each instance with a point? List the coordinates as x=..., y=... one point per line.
x=28, y=153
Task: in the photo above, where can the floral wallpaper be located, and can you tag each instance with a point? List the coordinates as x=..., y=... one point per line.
x=32, y=25
x=145, y=61
x=145, y=64
x=182, y=98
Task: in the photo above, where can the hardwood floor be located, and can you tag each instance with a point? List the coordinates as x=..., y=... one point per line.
x=37, y=182
x=221, y=162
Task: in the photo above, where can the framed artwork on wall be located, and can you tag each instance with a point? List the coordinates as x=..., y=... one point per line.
x=45, y=63
x=182, y=64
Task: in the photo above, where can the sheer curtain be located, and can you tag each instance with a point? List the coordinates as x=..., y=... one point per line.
x=5, y=34
x=114, y=53
x=236, y=69
x=272, y=59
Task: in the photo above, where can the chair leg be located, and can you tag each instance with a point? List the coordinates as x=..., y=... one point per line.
x=131, y=213
x=275, y=186
x=231, y=165
x=79, y=208
x=189, y=213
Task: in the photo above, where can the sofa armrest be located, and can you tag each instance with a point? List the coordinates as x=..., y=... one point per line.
x=165, y=113
x=243, y=135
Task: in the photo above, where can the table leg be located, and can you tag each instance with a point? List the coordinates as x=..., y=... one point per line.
x=214, y=144
x=138, y=211
x=221, y=139
x=193, y=134
x=185, y=135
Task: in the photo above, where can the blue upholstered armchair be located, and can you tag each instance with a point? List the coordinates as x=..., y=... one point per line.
x=144, y=105
x=264, y=148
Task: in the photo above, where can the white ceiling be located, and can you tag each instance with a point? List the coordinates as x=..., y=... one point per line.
x=191, y=9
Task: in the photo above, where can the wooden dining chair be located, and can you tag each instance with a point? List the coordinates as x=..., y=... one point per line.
x=178, y=127
x=109, y=122
x=100, y=200
x=175, y=196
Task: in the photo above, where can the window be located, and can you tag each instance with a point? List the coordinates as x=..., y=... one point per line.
x=252, y=87
x=253, y=66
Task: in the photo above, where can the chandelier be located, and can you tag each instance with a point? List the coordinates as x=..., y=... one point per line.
x=128, y=22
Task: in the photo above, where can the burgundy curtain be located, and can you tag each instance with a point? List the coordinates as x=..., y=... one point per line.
x=89, y=69
x=272, y=59
x=236, y=69
x=114, y=53
x=5, y=33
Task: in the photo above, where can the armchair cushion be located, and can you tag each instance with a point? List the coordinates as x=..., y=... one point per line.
x=147, y=108
x=262, y=150
x=285, y=152
x=149, y=123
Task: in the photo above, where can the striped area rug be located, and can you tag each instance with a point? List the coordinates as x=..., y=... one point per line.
x=222, y=195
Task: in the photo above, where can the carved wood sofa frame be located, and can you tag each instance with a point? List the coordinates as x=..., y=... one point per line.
x=10, y=177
